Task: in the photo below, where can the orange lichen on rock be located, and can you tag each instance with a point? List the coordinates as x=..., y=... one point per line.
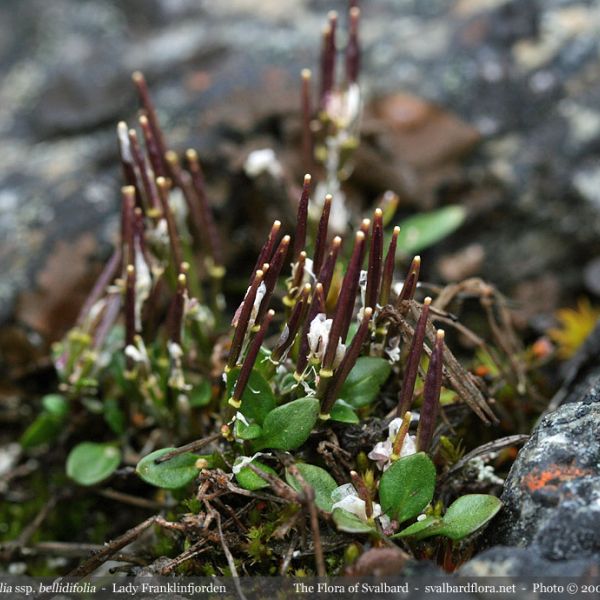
x=552, y=476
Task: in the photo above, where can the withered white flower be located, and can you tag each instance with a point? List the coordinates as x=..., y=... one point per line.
x=382, y=451
x=318, y=338
x=346, y=497
x=244, y=461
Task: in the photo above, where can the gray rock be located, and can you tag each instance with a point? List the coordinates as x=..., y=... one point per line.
x=505, y=561
x=552, y=494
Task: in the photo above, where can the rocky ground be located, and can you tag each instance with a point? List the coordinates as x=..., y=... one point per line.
x=491, y=103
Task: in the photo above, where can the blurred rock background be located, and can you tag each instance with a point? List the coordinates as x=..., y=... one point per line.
x=490, y=103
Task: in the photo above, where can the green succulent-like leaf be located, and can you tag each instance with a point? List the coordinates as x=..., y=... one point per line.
x=258, y=398
x=171, y=474
x=349, y=522
x=89, y=463
x=365, y=380
x=425, y=229
x=319, y=479
x=242, y=431
x=407, y=487
x=287, y=427
x=249, y=480
x=464, y=516
x=56, y=405
x=343, y=412
x=468, y=514
x=419, y=530
x=114, y=416
x=43, y=430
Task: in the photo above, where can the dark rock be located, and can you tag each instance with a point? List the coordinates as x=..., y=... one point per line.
x=504, y=561
x=552, y=494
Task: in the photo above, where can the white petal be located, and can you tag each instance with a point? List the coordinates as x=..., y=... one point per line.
x=244, y=461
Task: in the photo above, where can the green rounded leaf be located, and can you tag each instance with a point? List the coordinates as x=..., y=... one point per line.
x=258, y=398
x=55, y=404
x=365, y=380
x=319, y=479
x=249, y=480
x=287, y=427
x=343, y=412
x=242, y=431
x=468, y=514
x=346, y=521
x=407, y=487
x=171, y=474
x=43, y=430
x=420, y=529
x=425, y=229
x=89, y=463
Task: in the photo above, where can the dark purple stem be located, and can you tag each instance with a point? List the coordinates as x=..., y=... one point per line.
x=375, y=260
x=388, y=269
x=302, y=218
x=321, y=240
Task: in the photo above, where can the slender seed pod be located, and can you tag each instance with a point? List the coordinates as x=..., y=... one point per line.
x=127, y=162
x=306, y=108
x=243, y=320
x=400, y=436
x=375, y=260
x=177, y=310
x=321, y=239
x=363, y=493
x=431, y=395
x=412, y=364
x=152, y=148
x=174, y=239
x=146, y=175
x=388, y=269
x=345, y=303
x=249, y=361
x=302, y=218
x=106, y=276
x=326, y=273
x=341, y=373
x=271, y=278
x=317, y=306
x=326, y=79
x=206, y=214
x=127, y=223
x=150, y=112
x=297, y=278
x=292, y=326
x=410, y=283
x=267, y=250
x=130, y=305
x=353, y=47
x=353, y=274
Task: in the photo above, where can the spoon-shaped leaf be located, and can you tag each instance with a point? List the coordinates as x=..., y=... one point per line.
x=258, y=398
x=407, y=487
x=287, y=427
x=89, y=463
x=346, y=521
x=249, y=480
x=171, y=474
x=365, y=380
x=319, y=479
